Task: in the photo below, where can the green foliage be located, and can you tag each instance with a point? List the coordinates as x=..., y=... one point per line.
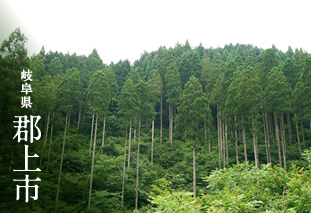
x=278, y=92
x=193, y=107
x=245, y=188
x=168, y=200
x=129, y=100
x=55, y=67
x=98, y=93
x=69, y=92
x=173, y=84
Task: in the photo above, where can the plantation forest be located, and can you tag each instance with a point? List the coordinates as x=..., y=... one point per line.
x=180, y=129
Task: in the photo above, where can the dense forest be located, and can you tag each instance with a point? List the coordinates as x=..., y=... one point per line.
x=181, y=129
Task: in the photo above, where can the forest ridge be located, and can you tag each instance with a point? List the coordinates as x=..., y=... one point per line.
x=180, y=130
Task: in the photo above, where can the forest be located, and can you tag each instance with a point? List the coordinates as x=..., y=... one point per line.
x=182, y=129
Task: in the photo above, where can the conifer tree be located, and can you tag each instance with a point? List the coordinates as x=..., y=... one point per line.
x=277, y=98
x=155, y=87
x=173, y=91
x=205, y=73
x=55, y=67
x=67, y=96
x=129, y=106
x=192, y=113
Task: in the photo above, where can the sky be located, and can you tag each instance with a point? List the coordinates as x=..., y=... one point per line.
x=122, y=29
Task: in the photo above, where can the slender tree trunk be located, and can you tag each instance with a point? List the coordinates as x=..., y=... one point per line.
x=244, y=141
x=219, y=140
x=137, y=173
x=129, y=152
x=268, y=138
x=91, y=135
x=161, y=118
x=61, y=163
x=69, y=118
x=236, y=141
x=175, y=117
x=103, y=139
x=303, y=135
x=223, y=142
x=194, y=175
x=277, y=137
x=45, y=139
x=255, y=146
x=289, y=129
x=227, y=145
x=83, y=114
x=47, y=131
x=92, y=169
x=79, y=118
x=124, y=162
x=283, y=140
x=152, y=136
x=209, y=135
x=299, y=147
x=209, y=139
x=47, y=166
x=266, y=143
x=271, y=130
x=134, y=135
x=205, y=135
x=170, y=123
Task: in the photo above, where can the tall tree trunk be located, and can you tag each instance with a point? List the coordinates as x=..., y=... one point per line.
x=205, y=135
x=209, y=139
x=103, y=139
x=227, y=145
x=277, y=137
x=61, y=163
x=209, y=135
x=266, y=133
x=170, y=123
x=303, y=135
x=236, y=141
x=45, y=139
x=47, y=166
x=174, y=120
x=271, y=130
x=79, y=118
x=83, y=114
x=124, y=162
x=299, y=147
x=268, y=138
x=219, y=140
x=224, y=143
x=289, y=129
x=134, y=135
x=69, y=118
x=161, y=118
x=266, y=143
x=283, y=140
x=255, y=146
x=194, y=176
x=47, y=130
x=137, y=172
x=129, y=152
x=92, y=169
x=244, y=141
x=91, y=135
x=152, y=136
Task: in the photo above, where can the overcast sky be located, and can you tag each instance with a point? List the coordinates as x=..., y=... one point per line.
x=124, y=29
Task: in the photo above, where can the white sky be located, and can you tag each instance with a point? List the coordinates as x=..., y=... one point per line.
x=124, y=29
